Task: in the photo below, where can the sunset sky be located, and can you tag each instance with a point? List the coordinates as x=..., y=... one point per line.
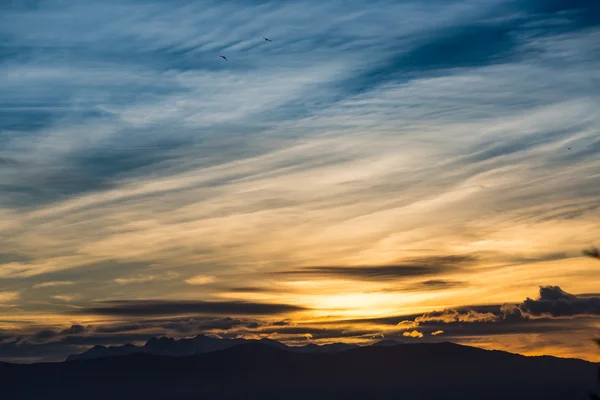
x=421, y=170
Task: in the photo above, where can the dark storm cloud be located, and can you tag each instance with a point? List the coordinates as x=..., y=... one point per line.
x=157, y=308
x=553, y=302
x=412, y=268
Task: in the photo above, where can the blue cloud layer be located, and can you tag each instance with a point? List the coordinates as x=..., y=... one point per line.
x=70, y=65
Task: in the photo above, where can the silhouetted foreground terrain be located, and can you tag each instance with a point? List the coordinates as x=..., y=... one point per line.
x=259, y=371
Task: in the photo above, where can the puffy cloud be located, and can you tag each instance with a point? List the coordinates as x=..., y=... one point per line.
x=553, y=302
x=438, y=332
x=413, y=334
x=407, y=324
x=451, y=316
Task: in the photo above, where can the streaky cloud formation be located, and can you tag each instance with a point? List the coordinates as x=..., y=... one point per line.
x=176, y=307
x=52, y=284
x=200, y=280
x=147, y=278
x=416, y=267
x=592, y=252
x=379, y=168
x=45, y=335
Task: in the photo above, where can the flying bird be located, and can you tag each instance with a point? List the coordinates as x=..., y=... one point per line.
x=592, y=252
x=225, y=58
x=268, y=40
x=570, y=147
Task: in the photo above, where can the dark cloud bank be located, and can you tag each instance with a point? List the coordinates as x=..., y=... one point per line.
x=412, y=268
x=146, y=308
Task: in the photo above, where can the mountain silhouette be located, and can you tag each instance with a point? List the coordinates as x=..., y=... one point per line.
x=387, y=343
x=255, y=370
x=200, y=344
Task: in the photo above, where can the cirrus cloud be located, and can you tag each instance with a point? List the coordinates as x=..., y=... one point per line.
x=200, y=280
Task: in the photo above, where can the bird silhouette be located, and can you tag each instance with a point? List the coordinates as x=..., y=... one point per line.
x=225, y=58
x=570, y=147
x=268, y=40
